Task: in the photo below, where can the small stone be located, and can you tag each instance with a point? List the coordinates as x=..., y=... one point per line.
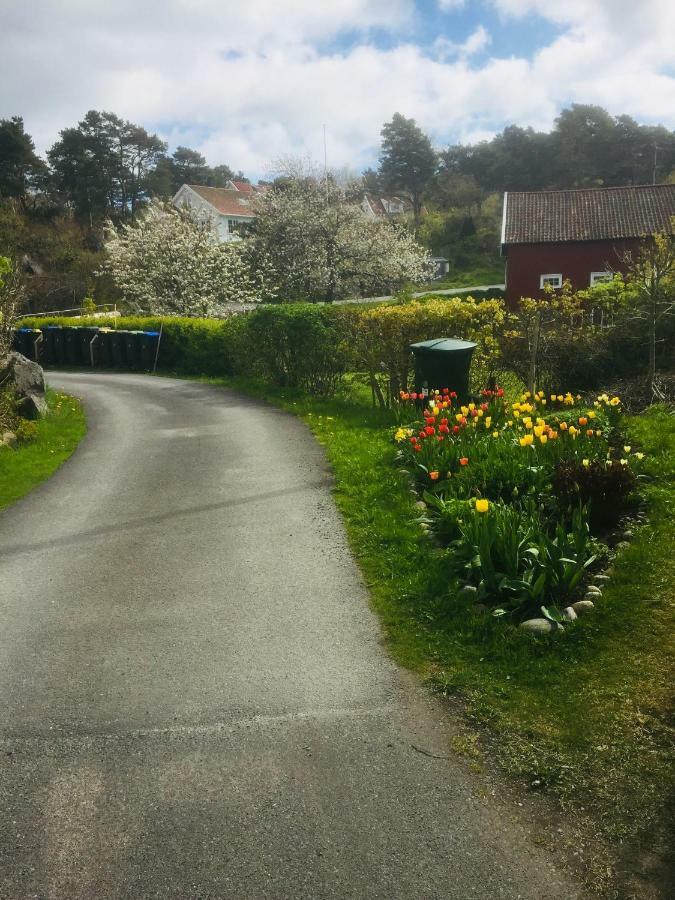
x=592, y=596
x=581, y=607
x=536, y=626
x=420, y=504
x=622, y=545
x=467, y=592
x=569, y=614
x=627, y=535
x=9, y=438
x=593, y=589
x=601, y=578
x=424, y=526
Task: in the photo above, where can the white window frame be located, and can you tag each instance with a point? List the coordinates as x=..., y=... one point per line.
x=543, y=279
x=599, y=277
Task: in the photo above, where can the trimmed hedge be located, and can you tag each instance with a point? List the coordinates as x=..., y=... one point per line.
x=311, y=346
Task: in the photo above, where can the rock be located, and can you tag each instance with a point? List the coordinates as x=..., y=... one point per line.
x=27, y=380
x=468, y=592
x=593, y=595
x=581, y=607
x=536, y=626
x=627, y=535
x=601, y=578
x=424, y=526
x=569, y=614
x=420, y=504
x=622, y=545
x=9, y=439
x=593, y=589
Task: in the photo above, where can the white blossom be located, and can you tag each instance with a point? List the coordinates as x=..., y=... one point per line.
x=323, y=247
x=171, y=262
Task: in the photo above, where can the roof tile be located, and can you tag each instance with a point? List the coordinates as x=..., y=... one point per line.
x=588, y=214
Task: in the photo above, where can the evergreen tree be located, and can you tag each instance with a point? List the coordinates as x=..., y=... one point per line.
x=407, y=160
x=19, y=164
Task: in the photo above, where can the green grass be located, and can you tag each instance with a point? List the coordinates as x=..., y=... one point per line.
x=26, y=465
x=469, y=278
x=585, y=716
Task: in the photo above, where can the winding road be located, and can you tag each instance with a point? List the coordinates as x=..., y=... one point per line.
x=196, y=702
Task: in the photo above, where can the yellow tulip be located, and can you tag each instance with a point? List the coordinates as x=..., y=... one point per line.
x=482, y=505
x=543, y=438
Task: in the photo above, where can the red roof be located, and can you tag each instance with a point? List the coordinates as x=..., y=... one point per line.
x=244, y=186
x=227, y=201
x=587, y=214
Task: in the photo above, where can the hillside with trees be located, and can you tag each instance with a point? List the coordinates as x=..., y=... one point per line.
x=52, y=209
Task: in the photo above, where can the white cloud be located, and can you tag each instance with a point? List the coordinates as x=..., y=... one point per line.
x=478, y=40
x=446, y=5
x=248, y=82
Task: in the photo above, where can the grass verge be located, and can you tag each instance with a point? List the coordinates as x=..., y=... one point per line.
x=58, y=434
x=585, y=718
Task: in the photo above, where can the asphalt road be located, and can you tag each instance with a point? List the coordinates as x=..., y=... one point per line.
x=195, y=699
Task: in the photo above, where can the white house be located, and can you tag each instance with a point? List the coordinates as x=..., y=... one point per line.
x=228, y=206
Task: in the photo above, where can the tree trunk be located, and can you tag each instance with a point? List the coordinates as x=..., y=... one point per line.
x=534, y=353
x=651, y=374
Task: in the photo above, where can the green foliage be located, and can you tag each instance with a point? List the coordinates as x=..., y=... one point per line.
x=309, y=345
x=605, y=486
x=520, y=562
x=19, y=164
x=42, y=448
x=407, y=159
x=295, y=345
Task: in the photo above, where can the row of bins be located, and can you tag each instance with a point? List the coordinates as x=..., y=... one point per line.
x=105, y=348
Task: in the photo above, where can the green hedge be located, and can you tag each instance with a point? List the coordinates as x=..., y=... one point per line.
x=310, y=345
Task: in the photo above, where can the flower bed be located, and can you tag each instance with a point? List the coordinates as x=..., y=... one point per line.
x=519, y=493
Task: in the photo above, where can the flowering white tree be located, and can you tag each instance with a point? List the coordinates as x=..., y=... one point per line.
x=323, y=247
x=170, y=262
x=11, y=297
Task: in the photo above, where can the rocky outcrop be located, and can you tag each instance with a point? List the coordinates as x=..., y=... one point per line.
x=26, y=379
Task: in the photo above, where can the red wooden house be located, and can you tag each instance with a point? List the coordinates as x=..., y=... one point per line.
x=580, y=235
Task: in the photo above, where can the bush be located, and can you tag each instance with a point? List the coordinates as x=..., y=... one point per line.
x=380, y=337
x=311, y=346
x=297, y=345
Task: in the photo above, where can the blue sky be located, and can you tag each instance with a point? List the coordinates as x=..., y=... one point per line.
x=248, y=83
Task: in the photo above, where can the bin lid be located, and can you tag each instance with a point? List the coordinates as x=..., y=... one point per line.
x=151, y=333
x=444, y=345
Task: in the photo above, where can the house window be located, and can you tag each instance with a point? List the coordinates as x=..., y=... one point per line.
x=554, y=281
x=597, y=277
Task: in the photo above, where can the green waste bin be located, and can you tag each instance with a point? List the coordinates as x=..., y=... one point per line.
x=133, y=348
x=54, y=345
x=72, y=351
x=89, y=353
x=22, y=342
x=149, y=341
x=118, y=349
x=104, y=348
x=443, y=363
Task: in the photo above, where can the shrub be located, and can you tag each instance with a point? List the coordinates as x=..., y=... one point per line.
x=296, y=345
x=381, y=336
x=519, y=562
x=603, y=484
x=311, y=346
